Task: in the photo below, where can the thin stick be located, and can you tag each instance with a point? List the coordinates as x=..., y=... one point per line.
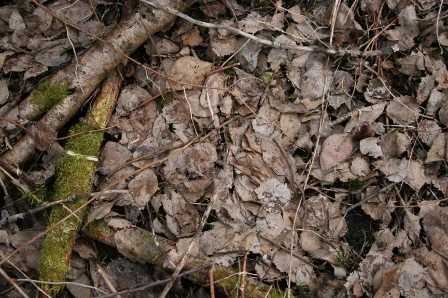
x=212, y=281
x=273, y=44
x=13, y=283
x=157, y=283
x=15, y=217
x=184, y=260
x=368, y=198
x=106, y=279
x=243, y=282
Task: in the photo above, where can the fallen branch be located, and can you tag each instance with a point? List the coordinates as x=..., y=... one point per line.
x=139, y=245
x=74, y=175
x=91, y=69
x=273, y=44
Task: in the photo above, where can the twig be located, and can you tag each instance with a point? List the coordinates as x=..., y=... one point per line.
x=195, y=239
x=369, y=197
x=15, y=217
x=222, y=69
x=273, y=44
x=212, y=281
x=13, y=283
x=243, y=282
x=157, y=283
x=106, y=279
x=293, y=232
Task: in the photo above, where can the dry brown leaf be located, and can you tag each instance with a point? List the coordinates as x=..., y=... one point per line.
x=438, y=149
x=436, y=276
x=366, y=115
x=376, y=91
x=302, y=271
x=371, y=264
x=192, y=38
x=436, y=230
x=435, y=102
x=316, y=81
x=274, y=195
x=112, y=156
x=130, y=97
x=389, y=283
x=404, y=170
x=443, y=114
x=335, y=149
x=164, y=46
x=375, y=207
x=248, y=56
x=371, y=147
x=143, y=187
x=360, y=166
x=187, y=70
x=403, y=110
x=428, y=131
x=394, y=144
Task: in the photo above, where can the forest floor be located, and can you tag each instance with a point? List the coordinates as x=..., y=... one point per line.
x=301, y=144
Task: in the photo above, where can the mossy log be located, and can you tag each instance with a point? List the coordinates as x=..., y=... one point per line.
x=83, y=76
x=74, y=172
x=139, y=245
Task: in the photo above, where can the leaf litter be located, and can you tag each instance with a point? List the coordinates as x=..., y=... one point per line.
x=292, y=139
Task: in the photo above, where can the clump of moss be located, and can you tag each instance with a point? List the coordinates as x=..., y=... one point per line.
x=355, y=185
x=47, y=95
x=14, y=85
x=35, y=198
x=74, y=177
x=167, y=99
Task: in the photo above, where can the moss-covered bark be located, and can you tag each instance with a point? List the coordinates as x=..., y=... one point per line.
x=227, y=280
x=74, y=172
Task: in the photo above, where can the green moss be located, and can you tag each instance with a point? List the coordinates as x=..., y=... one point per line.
x=74, y=176
x=167, y=99
x=228, y=282
x=74, y=173
x=35, y=198
x=47, y=95
x=86, y=144
x=267, y=77
x=355, y=185
x=14, y=85
x=58, y=244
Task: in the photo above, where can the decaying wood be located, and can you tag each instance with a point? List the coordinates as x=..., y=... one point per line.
x=140, y=245
x=84, y=77
x=74, y=176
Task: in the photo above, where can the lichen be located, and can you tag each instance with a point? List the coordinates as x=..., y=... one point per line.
x=47, y=95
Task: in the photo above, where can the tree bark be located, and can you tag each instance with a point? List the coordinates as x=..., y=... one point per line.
x=92, y=68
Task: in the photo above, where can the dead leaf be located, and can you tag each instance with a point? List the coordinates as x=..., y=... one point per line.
x=404, y=170
x=130, y=97
x=316, y=81
x=403, y=110
x=365, y=115
x=274, y=195
x=188, y=71
x=335, y=149
x=371, y=147
x=394, y=144
x=438, y=149
x=375, y=207
x=427, y=131
x=192, y=38
x=143, y=187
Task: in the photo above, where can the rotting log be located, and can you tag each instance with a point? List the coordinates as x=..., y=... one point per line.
x=139, y=245
x=74, y=173
x=84, y=76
